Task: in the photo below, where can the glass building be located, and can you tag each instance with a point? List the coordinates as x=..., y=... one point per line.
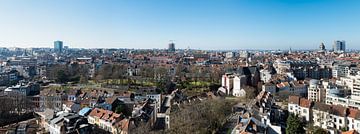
x=339, y=46
x=58, y=46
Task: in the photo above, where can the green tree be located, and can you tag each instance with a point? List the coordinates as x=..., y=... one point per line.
x=119, y=109
x=319, y=130
x=61, y=76
x=294, y=125
x=83, y=79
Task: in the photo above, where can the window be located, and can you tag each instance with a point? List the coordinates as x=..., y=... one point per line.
x=291, y=108
x=304, y=110
x=340, y=121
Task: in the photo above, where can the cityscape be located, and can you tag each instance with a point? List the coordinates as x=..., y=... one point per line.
x=193, y=82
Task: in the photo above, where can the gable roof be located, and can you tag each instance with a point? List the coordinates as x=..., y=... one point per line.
x=105, y=114
x=305, y=103
x=321, y=106
x=111, y=100
x=338, y=110
x=294, y=99
x=350, y=132
x=354, y=113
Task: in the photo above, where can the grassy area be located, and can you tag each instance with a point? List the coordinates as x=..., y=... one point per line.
x=200, y=83
x=126, y=82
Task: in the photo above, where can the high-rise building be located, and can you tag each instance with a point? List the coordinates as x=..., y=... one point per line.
x=171, y=47
x=58, y=46
x=339, y=46
x=322, y=47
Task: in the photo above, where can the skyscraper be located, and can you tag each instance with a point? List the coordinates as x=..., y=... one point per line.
x=58, y=46
x=339, y=46
x=322, y=47
x=171, y=47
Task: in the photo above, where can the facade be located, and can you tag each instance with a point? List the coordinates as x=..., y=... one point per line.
x=326, y=116
x=316, y=91
x=301, y=107
x=28, y=89
x=171, y=47
x=334, y=97
x=339, y=46
x=106, y=120
x=268, y=87
x=58, y=46
x=227, y=81
x=238, y=83
x=353, y=119
x=340, y=70
x=321, y=116
x=265, y=75
x=68, y=123
x=322, y=47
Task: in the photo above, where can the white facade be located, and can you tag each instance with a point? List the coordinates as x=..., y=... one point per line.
x=315, y=93
x=355, y=92
x=227, y=82
x=321, y=119
x=294, y=108
x=338, y=121
x=353, y=123
x=340, y=71
x=265, y=75
x=239, y=93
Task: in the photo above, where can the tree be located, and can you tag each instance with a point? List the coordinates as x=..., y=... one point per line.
x=83, y=79
x=294, y=125
x=251, y=92
x=119, y=109
x=203, y=117
x=319, y=130
x=311, y=129
x=61, y=76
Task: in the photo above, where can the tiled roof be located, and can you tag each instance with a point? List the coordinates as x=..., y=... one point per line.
x=111, y=99
x=350, y=132
x=321, y=106
x=354, y=113
x=294, y=99
x=96, y=112
x=305, y=103
x=104, y=114
x=338, y=110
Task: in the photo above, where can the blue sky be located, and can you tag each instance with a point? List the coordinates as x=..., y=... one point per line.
x=198, y=24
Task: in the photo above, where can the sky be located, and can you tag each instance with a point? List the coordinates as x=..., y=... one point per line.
x=197, y=24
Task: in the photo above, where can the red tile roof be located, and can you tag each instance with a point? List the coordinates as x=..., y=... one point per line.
x=354, y=113
x=105, y=114
x=305, y=103
x=350, y=132
x=123, y=125
x=294, y=99
x=338, y=110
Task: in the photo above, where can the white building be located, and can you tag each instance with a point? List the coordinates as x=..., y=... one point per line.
x=265, y=75
x=321, y=116
x=227, y=82
x=300, y=106
x=238, y=82
x=316, y=91
x=340, y=70
x=354, y=119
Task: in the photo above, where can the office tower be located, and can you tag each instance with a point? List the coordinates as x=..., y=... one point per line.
x=322, y=47
x=339, y=46
x=58, y=46
x=171, y=47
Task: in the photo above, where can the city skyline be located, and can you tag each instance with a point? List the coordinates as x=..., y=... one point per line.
x=225, y=25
